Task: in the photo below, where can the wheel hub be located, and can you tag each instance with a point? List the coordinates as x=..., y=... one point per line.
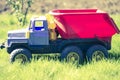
x=21, y=58
x=73, y=57
x=97, y=55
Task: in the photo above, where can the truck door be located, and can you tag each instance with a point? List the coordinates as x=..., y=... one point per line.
x=39, y=35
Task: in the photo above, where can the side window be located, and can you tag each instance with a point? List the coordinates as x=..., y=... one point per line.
x=39, y=25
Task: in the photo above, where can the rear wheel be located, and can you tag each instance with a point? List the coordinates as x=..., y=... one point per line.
x=96, y=53
x=21, y=55
x=72, y=54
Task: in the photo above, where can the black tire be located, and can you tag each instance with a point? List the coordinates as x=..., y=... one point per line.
x=72, y=52
x=96, y=53
x=20, y=53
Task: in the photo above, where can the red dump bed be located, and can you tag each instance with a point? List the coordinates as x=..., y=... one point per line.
x=85, y=23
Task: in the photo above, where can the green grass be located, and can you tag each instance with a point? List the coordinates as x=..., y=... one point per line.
x=55, y=70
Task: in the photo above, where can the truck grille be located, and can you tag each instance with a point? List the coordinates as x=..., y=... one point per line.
x=16, y=35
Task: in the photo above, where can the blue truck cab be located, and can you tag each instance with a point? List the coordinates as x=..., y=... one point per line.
x=35, y=34
x=38, y=33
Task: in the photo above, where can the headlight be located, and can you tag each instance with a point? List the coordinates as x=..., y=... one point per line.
x=27, y=35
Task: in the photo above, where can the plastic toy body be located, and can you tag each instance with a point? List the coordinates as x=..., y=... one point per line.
x=86, y=31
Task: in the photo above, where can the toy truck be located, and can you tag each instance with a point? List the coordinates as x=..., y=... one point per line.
x=85, y=33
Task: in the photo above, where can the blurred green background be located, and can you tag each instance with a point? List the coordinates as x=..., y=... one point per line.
x=43, y=6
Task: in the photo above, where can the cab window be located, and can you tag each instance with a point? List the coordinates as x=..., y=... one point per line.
x=39, y=25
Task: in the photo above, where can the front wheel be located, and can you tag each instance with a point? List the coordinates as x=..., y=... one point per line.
x=72, y=54
x=21, y=55
x=96, y=53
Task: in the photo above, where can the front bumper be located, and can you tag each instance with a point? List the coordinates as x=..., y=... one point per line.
x=2, y=45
